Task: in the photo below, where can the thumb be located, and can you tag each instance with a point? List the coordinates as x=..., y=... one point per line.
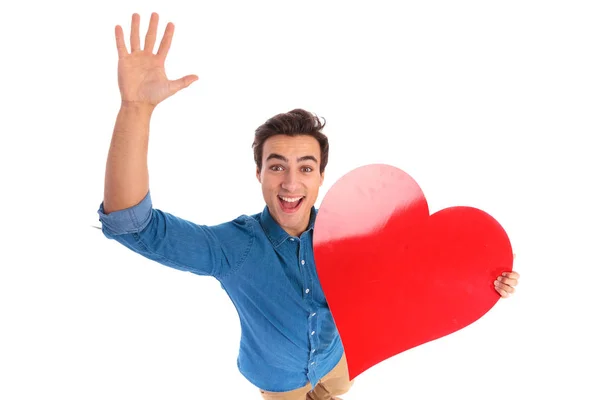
x=182, y=83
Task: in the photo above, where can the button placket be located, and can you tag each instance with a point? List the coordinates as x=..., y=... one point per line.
x=313, y=337
x=311, y=323
x=306, y=277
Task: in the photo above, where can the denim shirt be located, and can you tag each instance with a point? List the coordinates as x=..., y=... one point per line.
x=288, y=334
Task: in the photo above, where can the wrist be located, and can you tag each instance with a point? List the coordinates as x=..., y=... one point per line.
x=137, y=107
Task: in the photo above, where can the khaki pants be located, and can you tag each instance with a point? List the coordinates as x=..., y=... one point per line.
x=336, y=382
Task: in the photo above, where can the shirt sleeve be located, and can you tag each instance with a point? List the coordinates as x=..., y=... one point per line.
x=175, y=242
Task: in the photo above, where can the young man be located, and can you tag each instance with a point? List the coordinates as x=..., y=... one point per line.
x=290, y=347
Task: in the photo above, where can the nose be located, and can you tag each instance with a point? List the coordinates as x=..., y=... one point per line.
x=290, y=181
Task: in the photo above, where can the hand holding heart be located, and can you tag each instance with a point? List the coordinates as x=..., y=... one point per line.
x=396, y=277
x=506, y=283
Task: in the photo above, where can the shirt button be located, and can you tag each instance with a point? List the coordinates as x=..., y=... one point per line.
x=313, y=351
x=313, y=314
x=312, y=363
x=307, y=290
x=302, y=262
x=312, y=333
x=292, y=239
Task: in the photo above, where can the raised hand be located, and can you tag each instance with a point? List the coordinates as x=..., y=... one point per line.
x=142, y=77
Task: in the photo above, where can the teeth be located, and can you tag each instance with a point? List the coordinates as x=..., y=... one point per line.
x=290, y=199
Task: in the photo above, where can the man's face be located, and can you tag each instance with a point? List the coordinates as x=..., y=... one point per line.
x=291, y=179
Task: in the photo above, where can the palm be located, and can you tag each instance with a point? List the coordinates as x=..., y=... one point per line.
x=142, y=77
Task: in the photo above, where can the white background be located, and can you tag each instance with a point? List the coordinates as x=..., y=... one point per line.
x=487, y=104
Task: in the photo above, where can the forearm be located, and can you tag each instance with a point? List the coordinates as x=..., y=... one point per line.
x=126, y=177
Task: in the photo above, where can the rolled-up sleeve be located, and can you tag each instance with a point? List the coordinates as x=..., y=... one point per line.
x=129, y=220
x=178, y=243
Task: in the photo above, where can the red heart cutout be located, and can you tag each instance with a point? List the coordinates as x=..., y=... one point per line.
x=396, y=277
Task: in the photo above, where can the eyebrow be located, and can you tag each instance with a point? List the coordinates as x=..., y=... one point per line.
x=299, y=159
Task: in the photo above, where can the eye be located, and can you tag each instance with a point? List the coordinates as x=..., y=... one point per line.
x=307, y=169
x=276, y=168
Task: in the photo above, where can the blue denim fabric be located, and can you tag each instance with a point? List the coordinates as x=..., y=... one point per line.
x=289, y=337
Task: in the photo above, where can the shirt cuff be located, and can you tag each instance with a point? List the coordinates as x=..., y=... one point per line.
x=128, y=220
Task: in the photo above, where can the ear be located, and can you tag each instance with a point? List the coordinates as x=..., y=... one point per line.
x=322, y=178
x=258, y=174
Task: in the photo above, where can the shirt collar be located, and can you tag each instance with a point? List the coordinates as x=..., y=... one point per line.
x=276, y=234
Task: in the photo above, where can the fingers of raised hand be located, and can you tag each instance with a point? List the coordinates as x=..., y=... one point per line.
x=151, y=34
x=121, y=48
x=150, y=40
x=134, y=36
x=182, y=83
x=165, y=43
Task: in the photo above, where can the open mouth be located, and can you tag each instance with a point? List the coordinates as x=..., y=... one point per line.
x=290, y=204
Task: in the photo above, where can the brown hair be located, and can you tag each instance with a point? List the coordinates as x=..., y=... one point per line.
x=293, y=123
